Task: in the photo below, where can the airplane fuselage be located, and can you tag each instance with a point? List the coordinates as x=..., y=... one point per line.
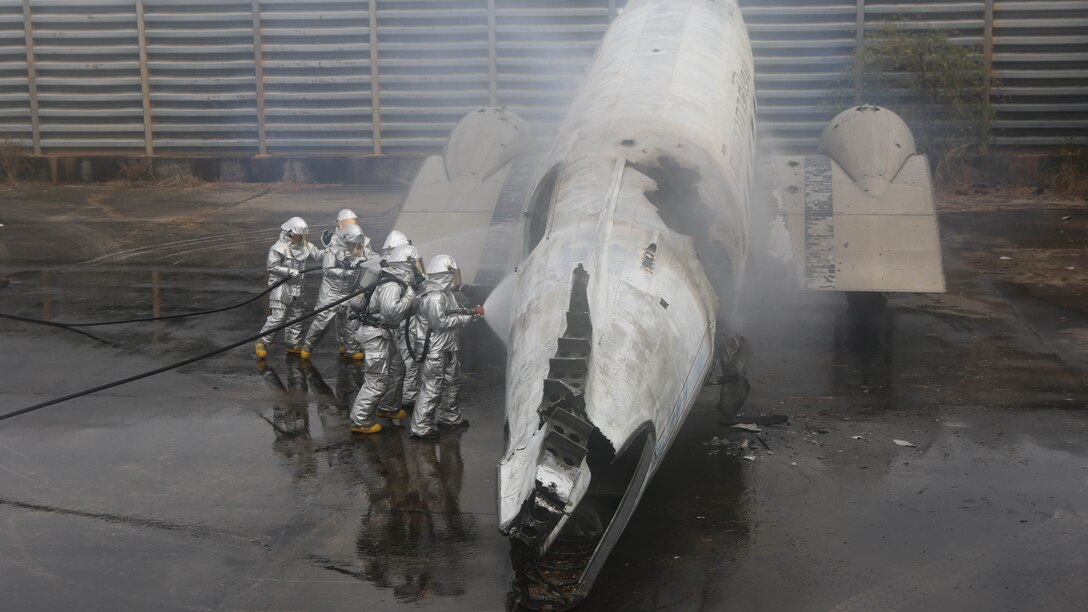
x=636, y=238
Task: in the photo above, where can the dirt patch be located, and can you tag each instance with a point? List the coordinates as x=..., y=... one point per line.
x=989, y=197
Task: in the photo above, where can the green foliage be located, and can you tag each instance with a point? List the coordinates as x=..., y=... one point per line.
x=936, y=85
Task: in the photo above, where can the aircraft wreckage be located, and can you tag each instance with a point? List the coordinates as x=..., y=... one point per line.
x=629, y=240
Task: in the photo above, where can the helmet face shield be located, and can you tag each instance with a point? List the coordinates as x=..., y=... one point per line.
x=297, y=239
x=353, y=238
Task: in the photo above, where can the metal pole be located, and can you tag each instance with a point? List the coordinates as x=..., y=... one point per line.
x=988, y=45
x=145, y=82
x=258, y=69
x=375, y=78
x=492, y=57
x=859, y=44
x=988, y=59
x=32, y=79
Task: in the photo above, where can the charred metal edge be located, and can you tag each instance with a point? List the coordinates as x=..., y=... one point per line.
x=626, y=508
x=563, y=416
x=583, y=560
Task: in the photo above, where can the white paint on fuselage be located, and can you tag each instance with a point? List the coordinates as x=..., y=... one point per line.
x=672, y=79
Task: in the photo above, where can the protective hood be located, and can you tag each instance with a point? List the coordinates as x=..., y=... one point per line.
x=440, y=281
x=403, y=271
x=301, y=251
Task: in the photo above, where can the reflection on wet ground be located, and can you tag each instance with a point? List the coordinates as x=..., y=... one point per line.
x=235, y=484
x=413, y=537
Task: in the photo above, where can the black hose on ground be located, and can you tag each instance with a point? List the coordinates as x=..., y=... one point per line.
x=183, y=315
x=184, y=362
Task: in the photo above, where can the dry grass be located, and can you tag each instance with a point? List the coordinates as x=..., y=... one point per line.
x=14, y=161
x=135, y=171
x=1071, y=175
x=185, y=181
x=1018, y=175
x=140, y=172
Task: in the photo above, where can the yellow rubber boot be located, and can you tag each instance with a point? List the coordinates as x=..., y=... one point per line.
x=358, y=356
x=363, y=429
x=396, y=416
x=342, y=351
x=305, y=353
x=261, y=350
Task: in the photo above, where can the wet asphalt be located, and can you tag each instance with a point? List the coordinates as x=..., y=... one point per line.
x=231, y=484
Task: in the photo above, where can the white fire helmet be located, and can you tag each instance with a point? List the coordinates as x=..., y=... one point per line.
x=394, y=240
x=346, y=217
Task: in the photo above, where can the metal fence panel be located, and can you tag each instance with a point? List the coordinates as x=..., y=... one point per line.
x=1041, y=64
x=87, y=64
x=433, y=66
x=802, y=49
x=317, y=85
x=542, y=49
x=394, y=76
x=202, y=77
x=15, y=115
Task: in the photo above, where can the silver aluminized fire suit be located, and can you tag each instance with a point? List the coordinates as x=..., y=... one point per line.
x=383, y=313
x=437, y=329
x=402, y=367
x=340, y=275
x=454, y=379
x=287, y=261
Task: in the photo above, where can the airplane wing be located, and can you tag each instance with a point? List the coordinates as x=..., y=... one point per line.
x=860, y=215
x=468, y=202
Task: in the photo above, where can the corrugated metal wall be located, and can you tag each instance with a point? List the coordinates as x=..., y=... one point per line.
x=394, y=76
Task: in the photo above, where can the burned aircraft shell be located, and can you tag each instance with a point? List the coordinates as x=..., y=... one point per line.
x=637, y=237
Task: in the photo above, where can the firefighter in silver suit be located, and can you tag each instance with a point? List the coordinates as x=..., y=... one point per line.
x=286, y=261
x=438, y=319
x=381, y=315
x=340, y=275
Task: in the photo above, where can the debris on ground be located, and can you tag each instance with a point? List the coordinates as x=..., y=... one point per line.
x=904, y=443
x=746, y=427
x=744, y=448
